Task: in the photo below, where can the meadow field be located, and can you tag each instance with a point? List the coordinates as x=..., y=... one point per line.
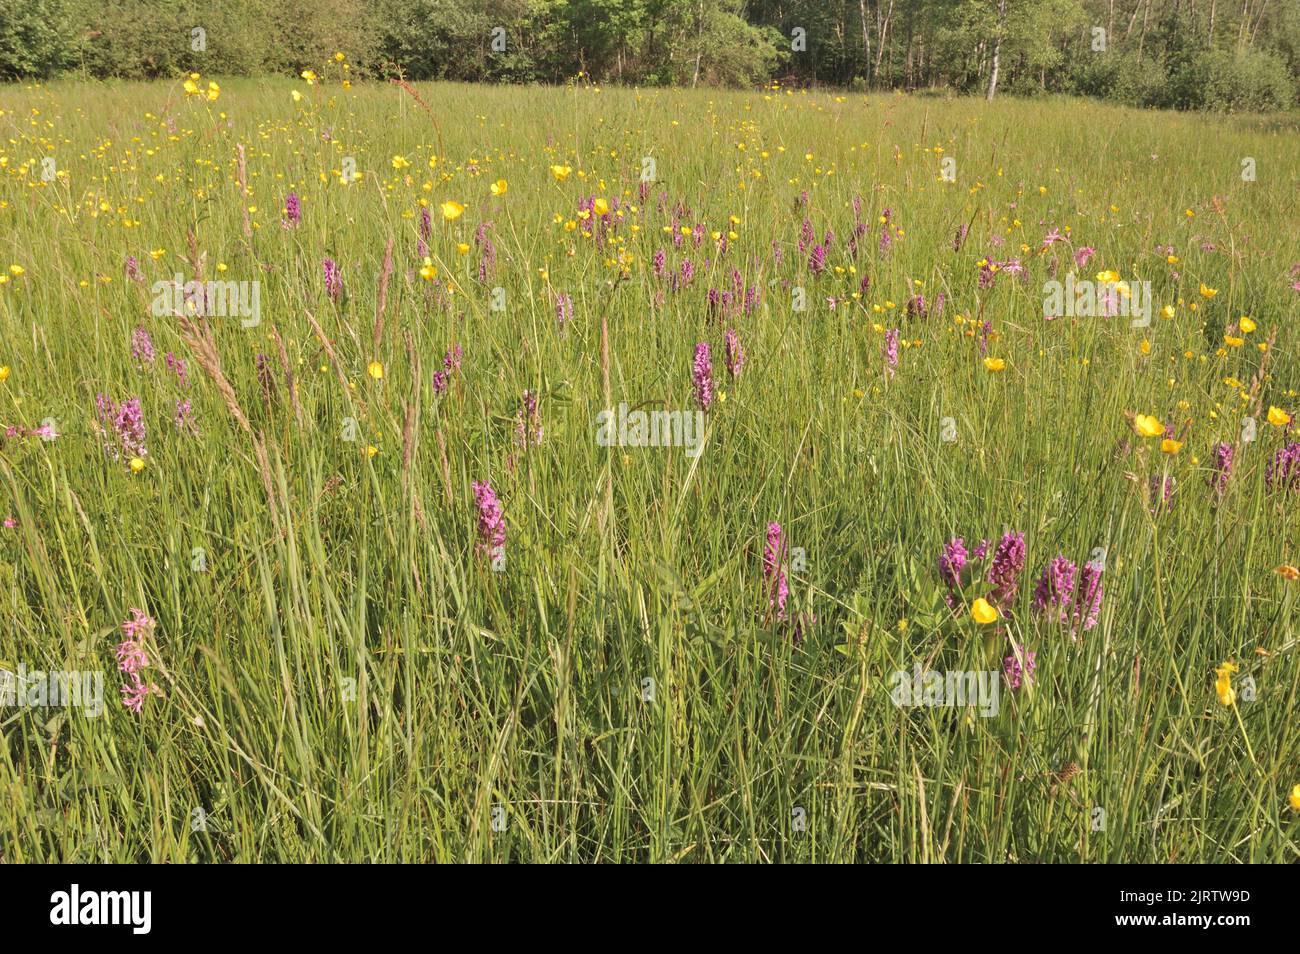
x=321, y=454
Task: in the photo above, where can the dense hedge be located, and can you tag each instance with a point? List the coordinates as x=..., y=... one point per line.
x=1181, y=54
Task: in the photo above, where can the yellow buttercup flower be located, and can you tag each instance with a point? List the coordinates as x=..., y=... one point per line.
x=427, y=271
x=297, y=96
x=600, y=207
x=995, y=364
x=983, y=612
x=1246, y=325
x=1147, y=425
x=1167, y=311
x=371, y=450
x=4, y=373
x=452, y=210
x=213, y=91
x=137, y=464
x=561, y=172
x=1170, y=446
x=1207, y=292
x=1294, y=799
x=1223, y=684
x=1278, y=417
x=375, y=369
x=499, y=187
x=1108, y=277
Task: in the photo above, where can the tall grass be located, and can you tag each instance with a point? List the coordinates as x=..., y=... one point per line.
x=344, y=677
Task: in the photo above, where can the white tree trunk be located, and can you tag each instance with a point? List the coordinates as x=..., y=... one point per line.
x=997, y=51
x=866, y=36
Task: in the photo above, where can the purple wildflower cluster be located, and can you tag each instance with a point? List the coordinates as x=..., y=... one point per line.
x=602, y=227
x=333, y=279
x=563, y=309
x=122, y=427
x=1014, y=672
x=1059, y=599
x=732, y=303
x=177, y=367
x=1004, y=572
x=1221, y=466
x=15, y=432
x=1162, y=488
x=956, y=569
x=702, y=376
x=450, y=363
x=735, y=352
x=890, y=350
x=817, y=260
x=528, y=422
x=807, y=236
x=292, y=211
x=952, y=560
x=1055, y=589
x=491, y=521
x=142, y=347
x=1283, y=471
x=132, y=658
x=776, y=585
x=1088, y=607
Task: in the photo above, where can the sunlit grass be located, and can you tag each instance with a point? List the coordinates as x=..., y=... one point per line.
x=345, y=677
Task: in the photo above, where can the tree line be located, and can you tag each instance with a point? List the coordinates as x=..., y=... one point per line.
x=1180, y=54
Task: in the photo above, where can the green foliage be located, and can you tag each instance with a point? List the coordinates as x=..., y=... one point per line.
x=1246, y=81
x=35, y=38
x=142, y=39
x=135, y=39
x=449, y=39
x=1162, y=53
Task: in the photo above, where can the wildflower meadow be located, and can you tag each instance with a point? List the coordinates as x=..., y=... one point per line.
x=428, y=472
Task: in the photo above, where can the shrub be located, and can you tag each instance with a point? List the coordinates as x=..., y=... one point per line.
x=1247, y=81
x=35, y=39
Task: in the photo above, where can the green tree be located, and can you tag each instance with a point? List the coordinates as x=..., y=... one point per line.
x=35, y=38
